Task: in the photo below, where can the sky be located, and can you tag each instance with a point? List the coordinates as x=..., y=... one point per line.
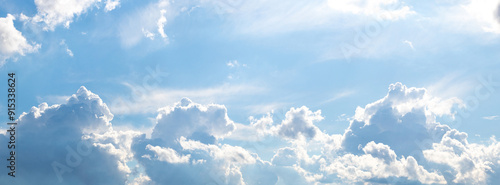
x=219, y=92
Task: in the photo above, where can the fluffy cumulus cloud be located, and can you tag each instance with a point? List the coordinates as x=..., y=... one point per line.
x=379, y=164
x=394, y=140
x=54, y=13
x=404, y=120
x=184, y=144
x=71, y=143
x=465, y=163
x=205, y=123
x=111, y=4
x=62, y=12
x=300, y=123
x=401, y=131
x=12, y=41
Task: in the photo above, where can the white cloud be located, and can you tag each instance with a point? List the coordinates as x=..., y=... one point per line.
x=161, y=24
x=63, y=12
x=68, y=51
x=381, y=151
x=456, y=84
x=470, y=16
x=146, y=99
x=485, y=14
x=268, y=17
x=184, y=141
x=468, y=163
x=140, y=180
x=285, y=157
x=265, y=108
x=405, y=121
x=54, y=13
x=12, y=42
x=385, y=9
x=146, y=21
x=409, y=44
x=111, y=4
x=395, y=140
x=233, y=63
x=168, y=155
x=299, y=122
x=64, y=143
x=227, y=153
x=344, y=117
x=340, y=95
x=404, y=110
x=491, y=117
x=203, y=122
x=257, y=130
x=148, y=34
x=379, y=162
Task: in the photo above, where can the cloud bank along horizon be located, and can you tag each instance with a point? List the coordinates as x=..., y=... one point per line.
x=396, y=139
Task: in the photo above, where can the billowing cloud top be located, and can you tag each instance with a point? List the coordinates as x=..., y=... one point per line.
x=191, y=120
x=395, y=140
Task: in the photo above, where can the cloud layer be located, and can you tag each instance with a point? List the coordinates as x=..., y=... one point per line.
x=394, y=140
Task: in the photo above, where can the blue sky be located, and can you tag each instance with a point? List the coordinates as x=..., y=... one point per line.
x=281, y=85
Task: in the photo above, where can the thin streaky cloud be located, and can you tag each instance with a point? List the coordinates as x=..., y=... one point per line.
x=491, y=117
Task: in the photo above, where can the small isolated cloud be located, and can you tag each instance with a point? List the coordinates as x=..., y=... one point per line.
x=12, y=41
x=161, y=24
x=344, y=117
x=233, y=63
x=409, y=44
x=148, y=34
x=68, y=51
x=111, y=5
x=147, y=22
x=491, y=117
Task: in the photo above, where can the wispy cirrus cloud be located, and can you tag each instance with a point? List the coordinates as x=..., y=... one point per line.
x=148, y=101
x=339, y=95
x=491, y=117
